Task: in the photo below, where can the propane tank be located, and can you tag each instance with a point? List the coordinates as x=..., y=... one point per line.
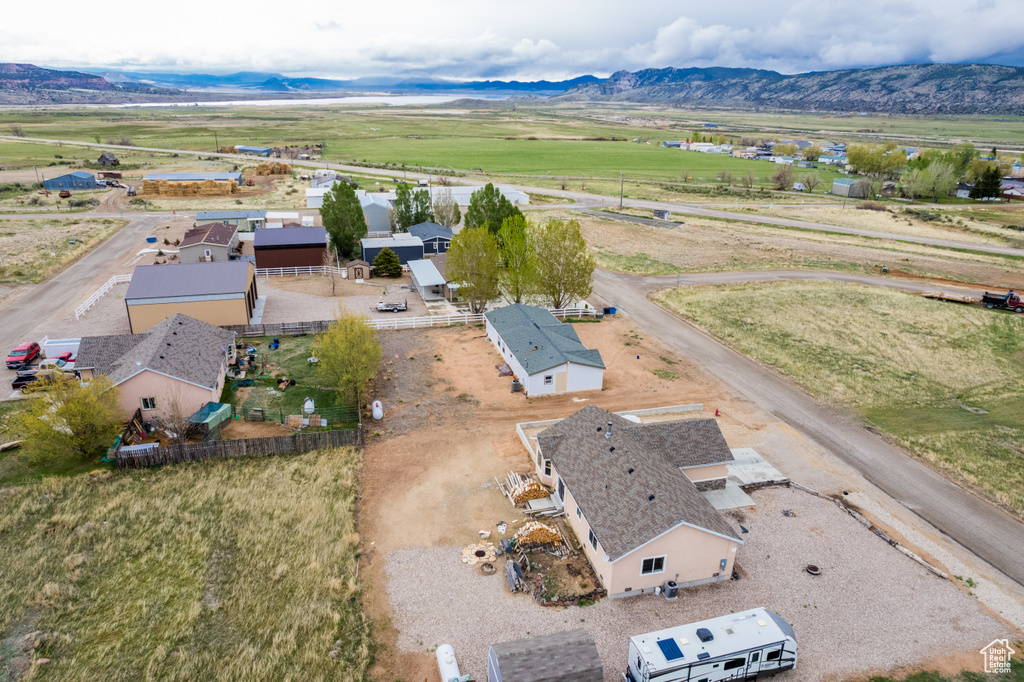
x=378, y=410
x=447, y=664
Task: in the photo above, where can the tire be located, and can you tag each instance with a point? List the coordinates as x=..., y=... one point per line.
x=1019, y=309
x=990, y=306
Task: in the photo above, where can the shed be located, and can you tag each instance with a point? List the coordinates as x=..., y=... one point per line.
x=406, y=247
x=108, y=159
x=216, y=293
x=358, y=270
x=258, y=151
x=209, y=243
x=849, y=187
x=436, y=238
x=427, y=280
x=290, y=247
x=564, y=657
x=247, y=221
x=377, y=211
x=72, y=180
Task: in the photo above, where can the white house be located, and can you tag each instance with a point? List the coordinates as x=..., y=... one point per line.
x=545, y=355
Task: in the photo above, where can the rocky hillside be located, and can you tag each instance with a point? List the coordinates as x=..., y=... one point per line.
x=909, y=89
x=29, y=84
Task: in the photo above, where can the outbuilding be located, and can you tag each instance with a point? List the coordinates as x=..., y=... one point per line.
x=246, y=221
x=546, y=356
x=405, y=246
x=209, y=243
x=290, y=247
x=569, y=656
x=427, y=280
x=358, y=270
x=108, y=159
x=258, y=151
x=217, y=293
x=436, y=238
x=72, y=180
x=849, y=187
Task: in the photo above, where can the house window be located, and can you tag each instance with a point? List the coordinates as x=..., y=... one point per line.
x=547, y=467
x=579, y=513
x=149, y=403
x=561, y=489
x=652, y=565
x=207, y=253
x=549, y=379
x=592, y=538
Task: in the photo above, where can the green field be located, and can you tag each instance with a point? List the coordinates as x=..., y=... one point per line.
x=942, y=379
x=231, y=570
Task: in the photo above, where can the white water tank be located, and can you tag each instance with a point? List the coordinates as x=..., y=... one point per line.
x=378, y=413
x=446, y=663
x=308, y=406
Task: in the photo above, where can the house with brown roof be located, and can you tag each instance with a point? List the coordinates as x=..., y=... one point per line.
x=176, y=365
x=632, y=494
x=209, y=243
x=222, y=294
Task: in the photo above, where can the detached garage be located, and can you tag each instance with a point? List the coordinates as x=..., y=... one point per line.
x=217, y=293
x=290, y=247
x=563, y=657
x=74, y=180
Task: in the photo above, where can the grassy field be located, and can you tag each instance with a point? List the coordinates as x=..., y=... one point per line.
x=34, y=250
x=942, y=379
x=235, y=570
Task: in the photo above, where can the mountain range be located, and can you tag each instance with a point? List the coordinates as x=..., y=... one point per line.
x=906, y=89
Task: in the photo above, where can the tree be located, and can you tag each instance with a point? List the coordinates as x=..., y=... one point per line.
x=879, y=160
x=18, y=131
x=812, y=153
x=988, y=184
x=519, y=258
x=726, y=177
x=329, y=269
x=68, y=418
x=566, y=270
x=782, y=178
x=176, y=413
x=473, y=263
x=348, y=354
x=811, y=180
x=412, y=208
x=386, y=264
x=343, y=218
x=446, y=209
x=784, y=149
x=488, y=207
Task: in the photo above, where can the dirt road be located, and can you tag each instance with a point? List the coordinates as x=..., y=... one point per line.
x=968, y=520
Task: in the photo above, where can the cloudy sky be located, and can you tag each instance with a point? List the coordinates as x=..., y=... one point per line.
x=526, y=40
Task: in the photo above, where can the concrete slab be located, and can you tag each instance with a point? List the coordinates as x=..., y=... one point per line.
x=729, y=497
x=257, y=311
x=750, y=468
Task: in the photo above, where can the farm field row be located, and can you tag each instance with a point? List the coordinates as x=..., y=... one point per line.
x=942, y=379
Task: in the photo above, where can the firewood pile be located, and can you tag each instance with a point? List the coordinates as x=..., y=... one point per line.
x=536, y=533
x=519, y=488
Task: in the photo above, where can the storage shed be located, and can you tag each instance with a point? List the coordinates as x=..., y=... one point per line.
x=427, y=280
x=436, y=238
x=564, y=657
x=108, y=159
x=72, y=180
x=849, y=187
x=209, y=243
x=356, y=270
x=290, y=247
x=247, y=221
x=405, y=246
x=217, y=293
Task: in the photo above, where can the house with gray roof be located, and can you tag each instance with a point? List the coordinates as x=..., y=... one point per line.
x=436, y=238
x=569, y=656
x=223, y=294
x=246, y=221
x=176, y=366
x=209, y=243
x=545, y=355
x=632, y=494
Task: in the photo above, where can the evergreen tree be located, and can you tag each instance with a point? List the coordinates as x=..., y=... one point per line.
x=343, y=218
x=386, y=264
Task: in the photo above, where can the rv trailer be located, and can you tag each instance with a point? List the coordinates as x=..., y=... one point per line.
x=741, y=646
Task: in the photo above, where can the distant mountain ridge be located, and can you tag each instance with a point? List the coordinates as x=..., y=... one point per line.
x=30, y=84
x=907, y=89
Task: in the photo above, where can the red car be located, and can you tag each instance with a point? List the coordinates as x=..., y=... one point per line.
x=23, y=354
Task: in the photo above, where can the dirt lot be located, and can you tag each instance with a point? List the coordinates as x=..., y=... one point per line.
x=34, y=250
x=448, y=430
x=296, y=299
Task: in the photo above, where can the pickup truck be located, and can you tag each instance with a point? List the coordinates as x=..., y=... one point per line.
x=22, y=355
x=386, y=307
x=1009, y=301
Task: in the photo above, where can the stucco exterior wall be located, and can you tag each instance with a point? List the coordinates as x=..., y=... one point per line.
x=197, y=252
x=707, y=472
x=568, y=377
x=222, y=312
x=149, y=384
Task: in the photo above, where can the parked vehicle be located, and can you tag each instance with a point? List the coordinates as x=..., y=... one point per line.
x=741, y=646
x=29, y=382
x=1009, y=301
x=63, y=362
x=64, y=194
x=22, y=355
x=386, y=307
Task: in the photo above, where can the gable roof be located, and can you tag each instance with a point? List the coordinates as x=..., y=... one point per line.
x=180, y=347
x=562, y=655
x=614, y=487
x=425, y=273
x=188, y=279
x=211, y=233
x=400, y=239
x=845, y=181
x=230, y=215
x=538, y=340
x=290, y=236
x=427, y=231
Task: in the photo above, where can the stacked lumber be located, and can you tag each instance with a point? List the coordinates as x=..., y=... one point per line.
x=537, y=533
x=274, y=168
x=469, y=554
x=529, y=490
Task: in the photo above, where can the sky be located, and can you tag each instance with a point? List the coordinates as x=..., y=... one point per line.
x=503, y=40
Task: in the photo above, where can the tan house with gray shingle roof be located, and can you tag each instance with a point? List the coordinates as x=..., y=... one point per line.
x=180, y=361
x=209, y=243
x=631, y=493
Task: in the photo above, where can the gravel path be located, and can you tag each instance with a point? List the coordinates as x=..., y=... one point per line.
x=292, y=306
x=871, y=610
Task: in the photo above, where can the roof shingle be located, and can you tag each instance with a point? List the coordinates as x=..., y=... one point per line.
x=538, y=340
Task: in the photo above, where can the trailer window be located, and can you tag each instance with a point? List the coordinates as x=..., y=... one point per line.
x=773, y=655
x=734, y=663
x=755, y=657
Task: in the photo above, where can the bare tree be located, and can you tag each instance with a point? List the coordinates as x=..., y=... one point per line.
x=175, y=421
x=747, y=180
x=17, y=130
x=446, y=210
x=811, y=180
x=726, y=177
x=329, y=266
x=782, y=179
x=563, y=184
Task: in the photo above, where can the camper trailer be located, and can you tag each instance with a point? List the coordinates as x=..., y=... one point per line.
x=741, y=646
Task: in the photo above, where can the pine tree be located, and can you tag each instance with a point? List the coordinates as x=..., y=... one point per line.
x=386, y=264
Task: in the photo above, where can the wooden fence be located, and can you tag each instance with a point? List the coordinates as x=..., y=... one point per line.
x=248, y=447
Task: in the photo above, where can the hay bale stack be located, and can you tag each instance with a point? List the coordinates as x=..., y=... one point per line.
x=274, y=168
x=228, y=150
x=528, y=490
x=185, y=189
x=535, y=532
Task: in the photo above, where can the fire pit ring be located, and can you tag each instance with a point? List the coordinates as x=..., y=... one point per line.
x=480, y=553
x=487, y=568
x=812, y=569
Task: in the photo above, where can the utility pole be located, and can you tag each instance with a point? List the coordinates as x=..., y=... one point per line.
x=622, y=179
x=216, y=143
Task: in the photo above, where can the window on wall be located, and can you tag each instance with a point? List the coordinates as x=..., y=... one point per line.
x=579, y=513
x=652, y=565
x=561, y=489
x=592, y=538
x=549, y=379
x=149, y=403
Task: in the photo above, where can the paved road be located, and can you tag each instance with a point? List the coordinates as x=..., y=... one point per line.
x=980, y=527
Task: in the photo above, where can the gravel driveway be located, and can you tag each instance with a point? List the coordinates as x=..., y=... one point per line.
x=871, y=610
